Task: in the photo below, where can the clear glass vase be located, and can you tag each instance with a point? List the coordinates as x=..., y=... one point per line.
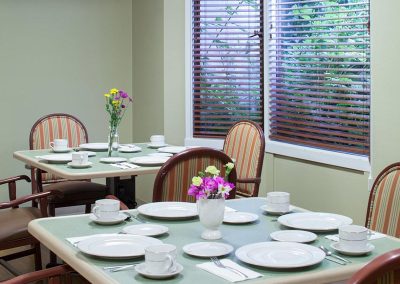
x=211, y=215
x=113, y=142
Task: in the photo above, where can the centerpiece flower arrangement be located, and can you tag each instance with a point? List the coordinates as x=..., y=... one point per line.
x=210, y=191
x=209, y=185
x=116, y=105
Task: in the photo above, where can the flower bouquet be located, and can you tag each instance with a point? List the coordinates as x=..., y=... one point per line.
x=116, y=105
x=210, y=191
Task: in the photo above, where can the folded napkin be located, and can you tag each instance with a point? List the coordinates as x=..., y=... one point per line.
x=227, y=273
x=75, y=240
x=229, y=209
x=125, y=165
x=372, y=236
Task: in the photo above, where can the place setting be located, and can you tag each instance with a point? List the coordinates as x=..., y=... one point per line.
x=353, y=240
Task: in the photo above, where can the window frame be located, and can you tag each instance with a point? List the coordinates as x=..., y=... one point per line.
x=331, y=158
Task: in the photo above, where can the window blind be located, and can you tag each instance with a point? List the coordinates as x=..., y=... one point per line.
x=319, y=73
x=227, y=68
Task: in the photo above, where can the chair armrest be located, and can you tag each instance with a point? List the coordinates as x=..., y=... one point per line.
x=248, y=180
x=26, y=198
x=14, y=179
x=34, y=276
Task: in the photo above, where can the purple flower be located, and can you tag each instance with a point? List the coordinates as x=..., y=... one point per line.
x=123, y=106
x=123, y=94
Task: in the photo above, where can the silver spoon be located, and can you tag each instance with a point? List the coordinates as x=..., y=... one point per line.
x=329, y=253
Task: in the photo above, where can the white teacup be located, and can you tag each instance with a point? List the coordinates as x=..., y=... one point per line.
x=80, y=158
x=353, y=237
x=160, y=259
x=59, y=145
x=278, y=201
x=106, y=209
x=157, y=140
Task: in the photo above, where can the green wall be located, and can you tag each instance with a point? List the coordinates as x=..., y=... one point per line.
x=60, y=56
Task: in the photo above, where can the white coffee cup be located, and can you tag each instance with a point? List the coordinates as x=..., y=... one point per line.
x=80, y=158
x=353, y=237
x=106, y=208
x=278, y=201
x=160, y=259
x=59, y=145
x=157, y=140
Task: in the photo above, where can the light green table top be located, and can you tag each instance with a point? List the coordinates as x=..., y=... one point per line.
x=53, y=231
x=97, y=170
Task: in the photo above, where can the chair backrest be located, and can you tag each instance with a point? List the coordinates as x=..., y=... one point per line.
x=383, y=213
x=175, y=176
x=245, y=144
x=385, y=269
x=53, y=126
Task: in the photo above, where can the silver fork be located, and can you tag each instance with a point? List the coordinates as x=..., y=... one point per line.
x=218, y=263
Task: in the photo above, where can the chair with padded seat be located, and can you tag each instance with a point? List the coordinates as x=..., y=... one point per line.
x=62, y=126
x=384, y=269
x=245, y=144
x=14, y=223
x=383, y=213
x=175, y=176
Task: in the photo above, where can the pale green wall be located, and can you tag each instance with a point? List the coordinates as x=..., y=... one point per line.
x=60, y=56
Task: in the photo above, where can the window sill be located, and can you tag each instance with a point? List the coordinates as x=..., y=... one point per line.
x=343, y=160
x=348, y=161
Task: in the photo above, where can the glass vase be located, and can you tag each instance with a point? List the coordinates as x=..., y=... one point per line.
x=211, y=215
x=113, y=142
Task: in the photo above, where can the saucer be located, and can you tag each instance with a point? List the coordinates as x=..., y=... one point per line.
x=141, y=269
x=129, y=149
x=155, y=146
x=66, y=150
x=336, y=246
x=237, y=217
x=120, y=218
x=264, y=208
x=81, y=166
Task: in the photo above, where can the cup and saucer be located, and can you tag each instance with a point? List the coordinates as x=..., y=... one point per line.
x=157, y=141
x=278, y=203
x=160, y=262
x=80, y=160
x=106, y=212
x=353, y=240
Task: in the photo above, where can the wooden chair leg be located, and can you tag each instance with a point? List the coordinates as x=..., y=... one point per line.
x=88, y=208
x=38, y=257
x=52, y=210
x=53, y=260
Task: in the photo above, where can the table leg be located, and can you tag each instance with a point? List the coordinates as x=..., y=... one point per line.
x=124, y=189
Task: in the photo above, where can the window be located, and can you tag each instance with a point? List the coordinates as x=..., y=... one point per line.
x=319, y=74
x=227, y=65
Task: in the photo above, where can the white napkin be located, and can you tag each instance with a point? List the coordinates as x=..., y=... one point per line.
x=125, y=166
x=75, y=240
x=229, y=209
x=373, y=236
x=227, y=273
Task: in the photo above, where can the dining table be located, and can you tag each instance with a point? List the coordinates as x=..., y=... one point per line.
x=53, y=233
x=115, y=175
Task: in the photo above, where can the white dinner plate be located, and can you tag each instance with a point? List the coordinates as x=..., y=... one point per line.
x=149, y=161
x=111, y=160
x=237, y=217
x=94, y=146
x=81, y=166
x=129, y=148
x=172, y=149
x=296, y=236
x=280, y=254
x=169, y=210
x=336, y=246
x=269, y=211
x=314, y=221
x=142, y=270
x=111, y=221
x=159, y=154
x=145, y=230
x=117, y=246
x=207, y=249
x=56, y=158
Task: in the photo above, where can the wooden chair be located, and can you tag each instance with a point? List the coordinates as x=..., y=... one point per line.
x=54, y=275
x=383, y=213
x=385, y=269
x=45, y=130
x=14, y=222
x=175, y=176
x=245, y=144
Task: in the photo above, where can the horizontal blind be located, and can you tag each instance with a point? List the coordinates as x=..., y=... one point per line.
x=227, y=68
x=319, y=74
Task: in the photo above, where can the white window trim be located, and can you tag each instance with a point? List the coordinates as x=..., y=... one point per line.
x=343, y=160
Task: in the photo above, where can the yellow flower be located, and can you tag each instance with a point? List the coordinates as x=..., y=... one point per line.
x=116, y=103
x=229, y=166
x=107, y=95
x=197, y=181
x=212, y=170
x=113, y=91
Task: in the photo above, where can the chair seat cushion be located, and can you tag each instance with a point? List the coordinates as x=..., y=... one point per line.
x=74, y=191
x=14, y=222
